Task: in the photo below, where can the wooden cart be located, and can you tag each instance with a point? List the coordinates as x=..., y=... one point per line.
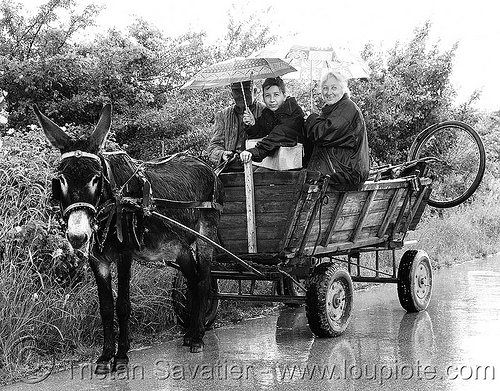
x=308, y=235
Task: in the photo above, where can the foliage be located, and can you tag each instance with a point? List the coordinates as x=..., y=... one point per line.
x=46, y=292
x=409, y=90
x=245, y=34
x=43, y=34
x=468, y=231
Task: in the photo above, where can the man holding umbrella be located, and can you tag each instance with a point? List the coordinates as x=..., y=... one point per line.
x=229, y=134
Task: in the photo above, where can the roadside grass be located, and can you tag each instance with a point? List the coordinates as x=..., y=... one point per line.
x=461, y=233
x=48, y=295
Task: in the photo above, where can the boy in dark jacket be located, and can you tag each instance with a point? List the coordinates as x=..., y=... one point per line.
x=280, y=124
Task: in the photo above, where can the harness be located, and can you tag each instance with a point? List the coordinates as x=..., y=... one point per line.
x=125, y=208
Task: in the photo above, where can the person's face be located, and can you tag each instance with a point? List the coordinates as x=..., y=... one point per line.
x=332, y=91
x=238, y=97
x=273, y=98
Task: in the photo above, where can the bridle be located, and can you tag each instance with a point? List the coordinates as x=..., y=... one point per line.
x=81, y=205
x=102, y=213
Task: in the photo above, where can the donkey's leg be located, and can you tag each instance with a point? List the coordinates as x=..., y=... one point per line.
x=186, y=263
x=203, y=254
x=200, y=298
x=123, y=308
x=101, y=269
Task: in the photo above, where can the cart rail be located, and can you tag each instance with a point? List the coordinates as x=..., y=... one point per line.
x=299, y=213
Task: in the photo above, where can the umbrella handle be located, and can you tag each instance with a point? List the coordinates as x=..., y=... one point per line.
x=243, y=92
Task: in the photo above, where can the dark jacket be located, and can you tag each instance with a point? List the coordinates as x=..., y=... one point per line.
x=340, y=142
x=228, y=133
x=280, y=128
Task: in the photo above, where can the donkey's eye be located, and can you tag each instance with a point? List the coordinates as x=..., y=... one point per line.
x=94, y=182
x=62, y=180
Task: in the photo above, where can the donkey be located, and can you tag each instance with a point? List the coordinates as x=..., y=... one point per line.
x=118, y=209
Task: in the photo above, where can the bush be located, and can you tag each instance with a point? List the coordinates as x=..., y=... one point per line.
x=465, y=232
x=46, y=293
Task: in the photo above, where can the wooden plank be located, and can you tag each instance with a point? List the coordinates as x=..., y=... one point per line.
x=421, y=207
x=338, y=237
x=363, y=214
x=414, y=208
x=344, y=246
x=345, y=223
x=381, y=185
x=261, y=193
x=250, y=203
x=241, y=246
x=295, y=211
x=268, y=178
x=240, y=233
x=314, y=199
x=262, y=220
x=390, y=211
x=344, y=236
x=346, y=215
x=269, y=206
x=402, y=210
x=355, y=201
x=334, y=218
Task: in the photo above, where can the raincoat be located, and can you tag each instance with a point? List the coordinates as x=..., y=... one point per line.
x=280, y=128
x=229, y=133
x=340, y=142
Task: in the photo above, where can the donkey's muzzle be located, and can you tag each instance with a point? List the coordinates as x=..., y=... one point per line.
x=77, y=240
x=79, y=229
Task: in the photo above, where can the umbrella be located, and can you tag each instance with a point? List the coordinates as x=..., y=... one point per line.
x=238, y=69
x=313, y=62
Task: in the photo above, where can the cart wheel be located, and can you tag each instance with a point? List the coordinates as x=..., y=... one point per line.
x=329, y=300
x=414, y=281
x=181, y=301
x=457, y=164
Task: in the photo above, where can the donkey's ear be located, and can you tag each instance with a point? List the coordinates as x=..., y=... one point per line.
x=102, y=128
x=54, y=133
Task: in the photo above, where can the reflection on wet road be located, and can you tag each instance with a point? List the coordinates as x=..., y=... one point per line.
x=454, y=345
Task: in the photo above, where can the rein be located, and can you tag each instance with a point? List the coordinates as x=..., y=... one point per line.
x=118, y=203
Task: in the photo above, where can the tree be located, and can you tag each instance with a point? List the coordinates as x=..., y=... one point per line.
x=409, y=93
x=42, y=35
x=37, y=55
x=245, y=34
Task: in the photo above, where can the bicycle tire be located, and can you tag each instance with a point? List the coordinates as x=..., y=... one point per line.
x=460, y=164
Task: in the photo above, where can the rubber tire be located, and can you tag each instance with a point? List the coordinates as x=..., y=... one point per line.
x=412, y=293
x=317, y=307
x=181, y=301
x=427, y=133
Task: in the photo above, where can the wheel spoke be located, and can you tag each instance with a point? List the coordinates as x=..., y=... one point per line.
x=459, y=162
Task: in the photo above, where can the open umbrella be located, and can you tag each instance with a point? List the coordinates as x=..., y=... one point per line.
x=238, y=69
x=313, y=62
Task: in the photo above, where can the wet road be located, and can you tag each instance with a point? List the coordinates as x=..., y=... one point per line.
x=454, y=345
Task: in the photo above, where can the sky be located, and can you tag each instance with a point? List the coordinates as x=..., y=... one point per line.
x=348, y=24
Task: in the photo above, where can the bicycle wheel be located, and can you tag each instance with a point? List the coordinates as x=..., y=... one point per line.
x=456, y=161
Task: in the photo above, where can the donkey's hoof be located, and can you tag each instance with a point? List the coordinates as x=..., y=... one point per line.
x=103, y=367
x=197, y=347
x=120, y=365
x=187, y=341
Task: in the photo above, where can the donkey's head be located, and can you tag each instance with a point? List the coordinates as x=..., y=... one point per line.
x=78, y=184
